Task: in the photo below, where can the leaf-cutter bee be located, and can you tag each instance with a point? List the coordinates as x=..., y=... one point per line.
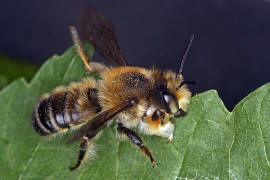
x=134, y=96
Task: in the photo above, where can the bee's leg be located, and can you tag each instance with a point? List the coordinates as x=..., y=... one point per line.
x=136, y=140
x=79, y=47
x=90, y=131
x=91, y=67
x=83, y=152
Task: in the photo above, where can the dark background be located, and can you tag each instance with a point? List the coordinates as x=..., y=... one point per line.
x=230, y=52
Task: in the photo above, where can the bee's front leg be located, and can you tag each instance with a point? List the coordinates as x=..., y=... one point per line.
x=136, y=140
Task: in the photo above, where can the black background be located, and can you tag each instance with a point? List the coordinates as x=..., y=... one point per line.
x=230, y=52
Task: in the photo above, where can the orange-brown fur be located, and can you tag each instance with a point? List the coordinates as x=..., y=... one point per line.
x=180, y=94
x=112, y=91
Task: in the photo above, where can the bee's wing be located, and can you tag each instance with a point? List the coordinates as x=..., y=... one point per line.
x=94, y=28
x=100, y=121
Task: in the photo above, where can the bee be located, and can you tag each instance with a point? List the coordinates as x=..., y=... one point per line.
x=133, y=96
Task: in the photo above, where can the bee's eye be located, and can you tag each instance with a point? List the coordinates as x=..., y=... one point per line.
x=171, y=103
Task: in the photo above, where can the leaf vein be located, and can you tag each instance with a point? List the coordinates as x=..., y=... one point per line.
x=117, y=161
x=29, y=161
x=184, y=155
x=69, y=67
x=262, y=134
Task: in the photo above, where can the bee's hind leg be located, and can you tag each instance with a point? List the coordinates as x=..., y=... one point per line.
x=81, y=51
x=90, y=67
x=84, y=150
x=136, y=140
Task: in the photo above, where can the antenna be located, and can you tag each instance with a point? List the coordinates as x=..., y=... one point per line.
x=185, y=55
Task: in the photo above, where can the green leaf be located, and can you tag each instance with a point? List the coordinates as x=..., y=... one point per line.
x=12, y=68
x=209, y=143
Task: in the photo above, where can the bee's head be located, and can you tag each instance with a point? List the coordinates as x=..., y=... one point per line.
x=171, y=94
x=169, y=98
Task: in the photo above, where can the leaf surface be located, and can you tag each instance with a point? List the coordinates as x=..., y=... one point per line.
x=209, y=143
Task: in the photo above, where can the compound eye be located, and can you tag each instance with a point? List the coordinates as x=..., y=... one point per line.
x=171, y=103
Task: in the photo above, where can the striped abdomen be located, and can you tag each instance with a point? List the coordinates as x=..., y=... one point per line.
x=65, y=108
